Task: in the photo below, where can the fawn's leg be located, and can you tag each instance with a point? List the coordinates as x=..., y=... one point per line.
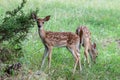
x=79, y=63
x=91, y=56
x=86, y=54
x=44, y=56
x=72, y=50
x=49, y=57
x=78, y=51
x=76, y=62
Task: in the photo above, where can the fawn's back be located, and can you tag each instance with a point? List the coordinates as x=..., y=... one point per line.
x=60, y=39
x=84, y=34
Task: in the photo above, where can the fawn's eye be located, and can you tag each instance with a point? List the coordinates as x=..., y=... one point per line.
x=43, y=22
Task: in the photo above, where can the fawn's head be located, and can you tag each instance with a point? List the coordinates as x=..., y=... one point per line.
x=40, y=21
x=94, y=52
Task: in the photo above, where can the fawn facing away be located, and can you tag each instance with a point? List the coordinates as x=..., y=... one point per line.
x=85, y=41
x=57, y=39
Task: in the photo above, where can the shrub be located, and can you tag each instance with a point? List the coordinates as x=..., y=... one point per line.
x=14, y=28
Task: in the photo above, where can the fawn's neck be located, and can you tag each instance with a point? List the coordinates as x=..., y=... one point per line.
x=41, y=32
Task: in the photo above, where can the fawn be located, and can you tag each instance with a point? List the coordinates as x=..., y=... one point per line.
x=57, y=39
x=85, y=41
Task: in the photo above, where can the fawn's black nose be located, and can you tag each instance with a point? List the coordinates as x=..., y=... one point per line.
x=39, y=26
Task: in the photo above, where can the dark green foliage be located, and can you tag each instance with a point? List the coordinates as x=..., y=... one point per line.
x=16, y=24
x=14, y=29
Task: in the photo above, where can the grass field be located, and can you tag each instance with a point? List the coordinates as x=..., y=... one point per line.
x=102, y=17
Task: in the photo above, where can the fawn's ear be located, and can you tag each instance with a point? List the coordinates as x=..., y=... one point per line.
x=94, y=45
x=34, y=16
x=47, y=18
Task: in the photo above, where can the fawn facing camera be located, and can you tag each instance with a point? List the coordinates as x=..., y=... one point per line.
x=57, y=39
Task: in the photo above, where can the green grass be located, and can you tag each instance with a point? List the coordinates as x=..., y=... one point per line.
x=100, y=16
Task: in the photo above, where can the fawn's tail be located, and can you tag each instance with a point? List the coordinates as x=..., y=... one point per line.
x=79, y=32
